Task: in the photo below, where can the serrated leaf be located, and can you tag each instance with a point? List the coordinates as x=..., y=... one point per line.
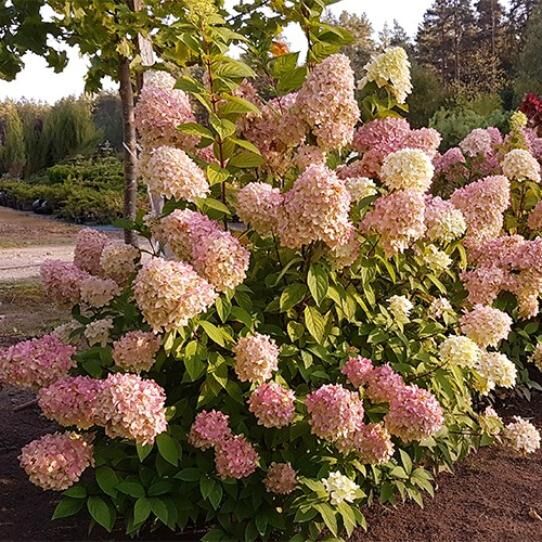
x=315, y=323
x=68, y=507
x=101, y=513
x=292, y=295
x=318, y=282
x=168, y=448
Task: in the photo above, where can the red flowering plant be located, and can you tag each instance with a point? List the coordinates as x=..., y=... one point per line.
x=292, y=348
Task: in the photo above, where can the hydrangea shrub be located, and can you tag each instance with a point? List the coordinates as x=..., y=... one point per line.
x=299, y=343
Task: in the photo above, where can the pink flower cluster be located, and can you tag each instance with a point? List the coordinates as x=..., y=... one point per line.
x=373, y=444
x=173, y=174
x=88, y=250
x=414, y=414
x=256, y=358
x=379, y=138
x=136, y=351
x=36, y=363
x=119, y=261
x=281, y=478
x=62, y=282
x=215, y=254
x=170, y=293
x=327, y=104
x=97, y=292
x=235, y=458
x=56, y=461
x=477, y=142
x=209, y=429
x=443, y=221
x=71, y=400
x=486, y=326
x=159, y=111
x=272, y=404
x=315, y=209
x=483, y=203
x=398, y=219
x=132, y=408
x=358, y=370
x=258, y=204
x=334, y=412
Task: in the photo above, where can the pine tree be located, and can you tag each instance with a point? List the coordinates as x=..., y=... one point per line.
x=399, y=37
x=530, y=59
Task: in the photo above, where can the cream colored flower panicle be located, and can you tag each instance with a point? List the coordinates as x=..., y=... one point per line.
x=521, y=436
x=521, y=165
x=390, y=68
x=407, y=169
x=460, y=351
x=518, y=120
x=400, y=308
x=340, y=488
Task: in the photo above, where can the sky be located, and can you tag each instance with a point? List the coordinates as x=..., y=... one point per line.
x=38, y=82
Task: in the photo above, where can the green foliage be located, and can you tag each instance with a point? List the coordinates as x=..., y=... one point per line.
x=12, y=146
x=93, y=172
x=530, y=63
x=107, y=117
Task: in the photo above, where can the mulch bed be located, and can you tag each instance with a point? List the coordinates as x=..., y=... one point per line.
x=493, y=496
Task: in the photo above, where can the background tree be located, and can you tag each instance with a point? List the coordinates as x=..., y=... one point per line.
x=12, y=149
x=530, y=60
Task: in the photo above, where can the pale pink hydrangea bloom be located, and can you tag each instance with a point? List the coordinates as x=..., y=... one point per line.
x=373, y=443
x=222, y=260
x=483, y=203
x=272, y=404
x=258, y=204
x=71, y=401
x=235, y=458
x=66, y=332
x=521, y=436
x=315, y=209
x=521, y=165
x=360, y=187
x=36, y=363
x=99, y=332
x=414, y=414
x=398, y=219
x=61, y=282
x=56, y=461
x=173, y=174
x=256, y=358
x=119, y=261
x=170, y=293
x=326, y=102
x=210, y=429
x=281, y=478
x=477, y=142
x=425, y=139
x=136, y=351
x=159, y=111
x=486, y=326
x=334, y=412
x=389, y=132
x=183, y=230
x=407, y=169
x=97, y=292
x=307, y=155
x=358, y=370
x=496, y=370
x=483, y=284
x=439, y=307
x=132, y=408
x=383, y=384
x=451, y=158
x=443, y=221
x=346, y=253
x=534, y=220
x=88, y=250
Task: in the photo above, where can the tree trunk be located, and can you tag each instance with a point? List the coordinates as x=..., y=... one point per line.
x=130, y=147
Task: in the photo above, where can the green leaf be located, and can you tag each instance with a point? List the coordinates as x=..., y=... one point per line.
x=134, y=489
x=206, y=486
x=318, y=282
x=247, y=145
x=315, y=323
x=216, y=174
x=195, y=129
x=215, y=204
x=67, y=507
x=292, y=295
x=237, y=105
x=101, y=513
x=406, y=461
x=107, y=480
x=292, y=81
x=159, y=509
x=328, y=515
x=168, y=448
x=227, y=67
x=349, y=518
x=189, y=475
x=246, y=159
x=217, y=334
x=142, y=510
x=223, y=308
x=76, y=492
x=241, y=315
x=143, y=450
